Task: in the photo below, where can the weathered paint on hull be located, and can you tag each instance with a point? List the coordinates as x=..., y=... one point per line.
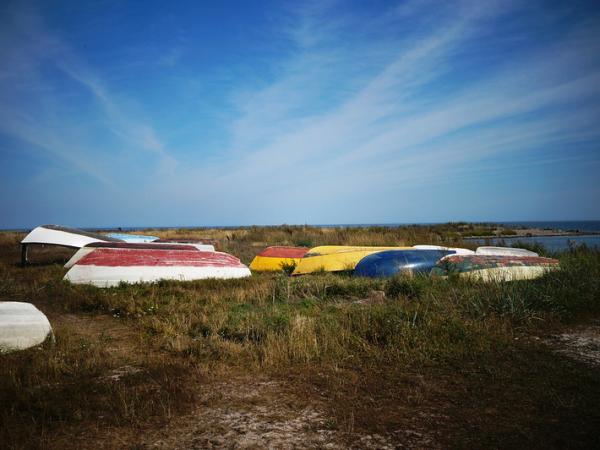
x=338, y=261
x=507, y=273
x=113, y=276
x=494, y=267
x=107, y=267
x=22, y=326
x=78, y=255
x=266, y=264
x=330, y=249
x=274, y=259
x=127, y=245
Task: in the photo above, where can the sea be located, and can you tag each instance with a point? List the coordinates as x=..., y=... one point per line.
x=591, y=226
x=552, y=243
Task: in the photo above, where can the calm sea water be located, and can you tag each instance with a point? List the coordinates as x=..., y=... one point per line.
x=580, y=225
x=553, y=243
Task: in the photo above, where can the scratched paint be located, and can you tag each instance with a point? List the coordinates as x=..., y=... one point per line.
x=495, y=268
x=128, y=257
x=463, y=263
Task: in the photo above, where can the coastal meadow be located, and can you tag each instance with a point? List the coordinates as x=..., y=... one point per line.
x=373, y=353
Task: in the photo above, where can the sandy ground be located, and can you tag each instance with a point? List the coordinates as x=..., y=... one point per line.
x=257, y=414
x=581, y=343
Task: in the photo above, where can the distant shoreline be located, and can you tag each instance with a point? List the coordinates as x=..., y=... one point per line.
x=496, y=230
x=535, y=232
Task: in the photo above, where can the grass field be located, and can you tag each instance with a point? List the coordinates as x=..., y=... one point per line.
x=305, y=361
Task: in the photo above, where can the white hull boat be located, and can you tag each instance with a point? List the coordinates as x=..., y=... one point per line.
x=106, y=267
x=22, y=326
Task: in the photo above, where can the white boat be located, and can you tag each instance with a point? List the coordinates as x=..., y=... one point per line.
x=456, y=250
x=22, y=325
x=106, y=267
x=64, y=236
x=504, y=251
x=116, y=245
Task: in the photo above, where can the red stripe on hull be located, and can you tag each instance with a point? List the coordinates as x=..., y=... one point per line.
x=284, y=252
x=147, y=257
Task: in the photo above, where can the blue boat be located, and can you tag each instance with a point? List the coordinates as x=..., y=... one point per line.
x=391, y=262
x=133, y=238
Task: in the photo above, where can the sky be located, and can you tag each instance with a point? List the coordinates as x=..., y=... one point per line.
x=156, y=113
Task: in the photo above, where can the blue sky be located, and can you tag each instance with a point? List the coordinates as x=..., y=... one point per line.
x=175, y=113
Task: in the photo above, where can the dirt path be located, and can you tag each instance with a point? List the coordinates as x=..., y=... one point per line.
x=581, y=343
x=255, y=414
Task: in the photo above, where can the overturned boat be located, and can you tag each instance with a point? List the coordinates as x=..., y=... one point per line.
x=277, y=258
x=22, y=326
x=454, y=250
x=335, y=258
x=110, y=266
x=393, y=262
x=495, y=267
x=128, y=245
x=61, y=236
x=504, y=251
x=133, y=238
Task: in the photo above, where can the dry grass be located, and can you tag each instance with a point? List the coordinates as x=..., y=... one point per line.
x=372, y=354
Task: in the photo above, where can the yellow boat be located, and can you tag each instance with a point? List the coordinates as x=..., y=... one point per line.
x=274, y=259
x=329, y=249
x=335, y=258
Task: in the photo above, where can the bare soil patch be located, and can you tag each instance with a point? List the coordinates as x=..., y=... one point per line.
x=246, y=413
x=581, y=343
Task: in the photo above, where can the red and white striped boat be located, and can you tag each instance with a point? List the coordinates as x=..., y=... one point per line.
x=83, y=251
x=109, y=266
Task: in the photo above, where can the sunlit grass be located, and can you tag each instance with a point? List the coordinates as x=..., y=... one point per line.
x=267, y=323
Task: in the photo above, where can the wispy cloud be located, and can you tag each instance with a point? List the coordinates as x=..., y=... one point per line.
x=394, y=108
x=35, y=98
x=412, y=118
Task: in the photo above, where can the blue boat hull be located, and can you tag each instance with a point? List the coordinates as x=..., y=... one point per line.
x=392, y=262
x=133, y=238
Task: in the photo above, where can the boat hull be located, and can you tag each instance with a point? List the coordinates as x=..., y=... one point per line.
x=495, y=268
x=133, y=238
x=392, y=262
x=106, y=267
x=338, y=261
x=84, y=251
x=22, y=326
x=66, y=237
x=454, y=250
x=274, y=259
x=504, y=251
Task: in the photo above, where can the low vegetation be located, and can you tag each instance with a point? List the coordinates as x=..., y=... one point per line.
x=468, y=358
